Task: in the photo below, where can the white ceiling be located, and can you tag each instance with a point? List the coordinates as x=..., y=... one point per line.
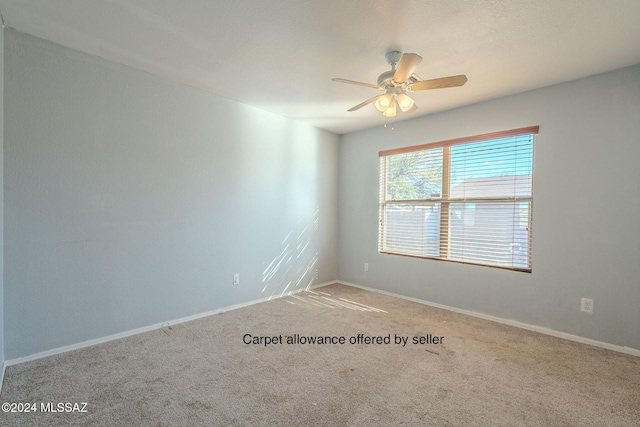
x=280, y=55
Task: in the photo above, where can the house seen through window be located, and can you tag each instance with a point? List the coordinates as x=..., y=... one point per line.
x=467, y=200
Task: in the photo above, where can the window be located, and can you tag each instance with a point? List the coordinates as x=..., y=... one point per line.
x=467, y=200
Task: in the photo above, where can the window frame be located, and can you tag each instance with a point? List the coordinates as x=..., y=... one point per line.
x=445, y=201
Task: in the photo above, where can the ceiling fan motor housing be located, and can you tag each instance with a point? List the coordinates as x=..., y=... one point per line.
x=393, y=57
x=386, y=79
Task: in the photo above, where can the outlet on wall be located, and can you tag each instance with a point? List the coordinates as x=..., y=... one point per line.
x=586, y=305
x=236, y=278
x=366, y=266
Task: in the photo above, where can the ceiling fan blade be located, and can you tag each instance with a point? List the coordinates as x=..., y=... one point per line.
x=452, y=81
x=362, y=104
x=407, y=65
x=351, y=82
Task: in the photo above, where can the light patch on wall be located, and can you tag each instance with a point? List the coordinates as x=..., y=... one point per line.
x=296, y=265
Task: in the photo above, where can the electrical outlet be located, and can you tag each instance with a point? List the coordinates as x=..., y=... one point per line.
x=236, y=279
x=366, y=266
x=586, y=305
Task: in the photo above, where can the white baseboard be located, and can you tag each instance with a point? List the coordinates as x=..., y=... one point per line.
x=534, y=328
x=124, y=334
x=136, y=331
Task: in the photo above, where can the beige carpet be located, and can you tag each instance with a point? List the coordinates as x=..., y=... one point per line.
x=202, y=373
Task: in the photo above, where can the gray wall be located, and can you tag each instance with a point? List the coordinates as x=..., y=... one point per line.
x=586, y=213
x=132, y=200
x=1, y=194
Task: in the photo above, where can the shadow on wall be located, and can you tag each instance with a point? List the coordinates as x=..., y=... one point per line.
x=296, y=267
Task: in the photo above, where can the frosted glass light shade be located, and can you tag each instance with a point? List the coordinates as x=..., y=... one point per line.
x=390, y=111
x=405, y=102
x=383, y=102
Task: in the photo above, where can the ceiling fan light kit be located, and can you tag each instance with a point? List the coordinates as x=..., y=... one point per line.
x=398, y=81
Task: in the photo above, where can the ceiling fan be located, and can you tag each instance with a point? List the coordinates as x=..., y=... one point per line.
x=399, y=81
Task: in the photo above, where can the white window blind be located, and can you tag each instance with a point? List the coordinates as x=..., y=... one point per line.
x=467, y=200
